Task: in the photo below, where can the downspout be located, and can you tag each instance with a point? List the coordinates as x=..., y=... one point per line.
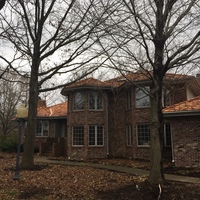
x=107, y=146
x=172, y=146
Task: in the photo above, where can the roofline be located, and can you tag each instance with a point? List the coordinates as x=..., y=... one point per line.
x=181, y=113
x=51, y=117
x=85, y=87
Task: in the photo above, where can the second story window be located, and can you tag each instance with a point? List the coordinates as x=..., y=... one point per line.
x=78, y=101
x=95, y=101
x=142, y=97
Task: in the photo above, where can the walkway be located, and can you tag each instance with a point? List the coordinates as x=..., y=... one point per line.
x=139, y=172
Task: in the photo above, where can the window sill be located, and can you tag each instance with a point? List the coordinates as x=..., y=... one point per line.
x=139, y=107
x=96, y=146
x=77, y=145
x=145, y=146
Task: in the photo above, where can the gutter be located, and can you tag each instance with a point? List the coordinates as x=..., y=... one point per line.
x=51, y=117
x=69, y=89
x=181, y=113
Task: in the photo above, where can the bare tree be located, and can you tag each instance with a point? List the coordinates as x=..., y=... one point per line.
x=50, y=37
x=154, y=36
x=11, y=93
x=2, y=3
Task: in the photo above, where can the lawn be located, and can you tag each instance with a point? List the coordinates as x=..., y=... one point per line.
x=49, y=182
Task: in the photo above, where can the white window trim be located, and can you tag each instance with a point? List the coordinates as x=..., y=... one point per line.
x=95, y=145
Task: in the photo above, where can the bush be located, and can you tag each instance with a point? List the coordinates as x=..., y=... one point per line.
x=8, y=143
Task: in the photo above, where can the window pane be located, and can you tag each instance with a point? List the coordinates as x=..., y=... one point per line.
x=42, y=129
x=95, y=135
x=143, y=134
x=95, y=101
x=99, y=101
x=99, y=135
x=142, y=97
x=39, y=128
x=91, y=100
x=45, y=128
x=78, y=135
x=78, y=101
x=167, y=136
x=92, y=135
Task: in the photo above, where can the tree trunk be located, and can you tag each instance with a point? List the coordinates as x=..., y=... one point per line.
x=156, y=175
x=28, y=154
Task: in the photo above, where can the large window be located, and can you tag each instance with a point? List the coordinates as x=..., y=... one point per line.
x=143, y=134
x=129, y=135
x=78, y=101
x=95, y=101
x=142, y=97
x=78, y=136
x=96, y=135
x=167, y=135
x=42, y=129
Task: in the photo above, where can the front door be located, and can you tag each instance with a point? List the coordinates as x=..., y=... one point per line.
x=60, y=128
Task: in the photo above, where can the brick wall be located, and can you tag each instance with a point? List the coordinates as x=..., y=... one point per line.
x=115, y=116
x=186, y=141
x=86, y=118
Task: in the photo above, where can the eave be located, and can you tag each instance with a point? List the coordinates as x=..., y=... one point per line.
x=181, y=113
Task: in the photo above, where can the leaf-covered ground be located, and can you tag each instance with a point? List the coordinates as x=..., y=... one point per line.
x=49, y=182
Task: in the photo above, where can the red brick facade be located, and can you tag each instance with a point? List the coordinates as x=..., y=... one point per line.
x=117, y=114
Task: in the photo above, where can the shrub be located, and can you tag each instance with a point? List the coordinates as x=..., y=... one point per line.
x=8, y=143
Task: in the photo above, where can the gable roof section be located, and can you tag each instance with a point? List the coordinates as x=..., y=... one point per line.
x=190, y=107
x=58, y=111
x=86, y=83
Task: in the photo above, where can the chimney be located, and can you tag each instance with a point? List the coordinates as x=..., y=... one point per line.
x=41, y=103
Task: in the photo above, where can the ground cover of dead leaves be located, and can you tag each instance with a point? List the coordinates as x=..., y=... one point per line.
x=49, y=182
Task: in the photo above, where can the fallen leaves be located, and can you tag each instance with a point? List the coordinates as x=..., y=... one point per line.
x=50, y=182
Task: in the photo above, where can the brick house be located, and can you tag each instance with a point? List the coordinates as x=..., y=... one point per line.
x=111, y=118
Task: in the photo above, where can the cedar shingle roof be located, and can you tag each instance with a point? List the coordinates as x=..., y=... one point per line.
x=58, y=110
x=190, y=105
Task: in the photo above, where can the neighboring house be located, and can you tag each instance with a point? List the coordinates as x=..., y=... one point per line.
x=111, y=118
